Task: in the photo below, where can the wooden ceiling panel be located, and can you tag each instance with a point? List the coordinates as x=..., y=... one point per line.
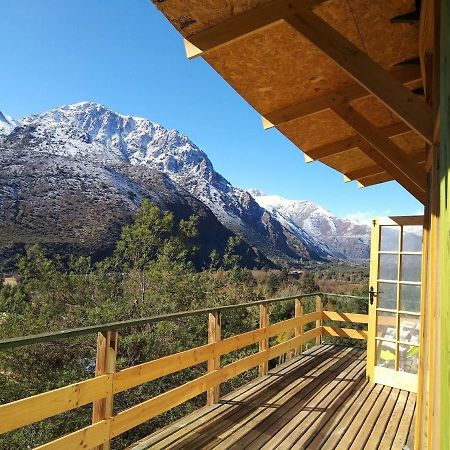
x=316, y=130
x=257, y=68
x=347, y=161
x=276, y=67
x=386, y=43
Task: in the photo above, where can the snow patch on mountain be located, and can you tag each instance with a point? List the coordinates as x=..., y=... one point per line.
x=342, y=238
x=284, y=230
x=7, y=124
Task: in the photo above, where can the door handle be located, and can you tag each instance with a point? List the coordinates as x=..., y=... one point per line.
x=372, y=294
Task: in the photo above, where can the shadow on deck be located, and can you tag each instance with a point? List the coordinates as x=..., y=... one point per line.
x=320, y=400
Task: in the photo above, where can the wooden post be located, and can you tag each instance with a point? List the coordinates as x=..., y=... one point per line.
x=299, y=328
x=263, y=344
x=319, y=308
x=105, y=364
x=214, y=335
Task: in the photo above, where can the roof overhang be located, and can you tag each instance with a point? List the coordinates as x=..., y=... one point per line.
x=340, y=79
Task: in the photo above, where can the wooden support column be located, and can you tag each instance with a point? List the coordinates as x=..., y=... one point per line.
x=214, y=335
x=298, y=328
x=105, y=364
x=319, y=308
x=263, y=344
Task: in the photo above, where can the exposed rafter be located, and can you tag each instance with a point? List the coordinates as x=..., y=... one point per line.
x=408, y=75
x=408, y=107
x=385, y=153
x=375, y=169
x=241, y=25
x=343, y=145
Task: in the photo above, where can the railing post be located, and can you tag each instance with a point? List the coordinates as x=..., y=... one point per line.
x=214, y=335
x=264, y=343
x=319, y=308
x=298, y=328
x=105, y=364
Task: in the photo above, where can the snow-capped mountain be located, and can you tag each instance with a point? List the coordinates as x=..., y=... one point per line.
x=90, y=134
x=7, y=124
x=341, y=238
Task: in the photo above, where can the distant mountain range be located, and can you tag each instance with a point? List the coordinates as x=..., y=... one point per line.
x=75, y=174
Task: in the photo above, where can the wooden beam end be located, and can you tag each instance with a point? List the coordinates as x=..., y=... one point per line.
x=266, y=123
x=191, y=50
x=308, y=159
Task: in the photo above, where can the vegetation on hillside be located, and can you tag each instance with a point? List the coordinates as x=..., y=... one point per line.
x=149, y=273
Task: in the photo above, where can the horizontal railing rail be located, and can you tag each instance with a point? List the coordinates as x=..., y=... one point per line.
x=108, y=381
x=22, y=341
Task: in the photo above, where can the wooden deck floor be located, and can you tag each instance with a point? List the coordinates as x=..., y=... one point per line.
x=320, y=400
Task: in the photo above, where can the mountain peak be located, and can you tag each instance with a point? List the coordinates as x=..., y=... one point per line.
x=7, y=124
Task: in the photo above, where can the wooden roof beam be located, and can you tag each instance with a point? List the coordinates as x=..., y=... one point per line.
x=377, y=178
x=408, y=75
x=334, y=148
x=410, y=108
x=241, y=25
x=375, y=169
x=385, y=153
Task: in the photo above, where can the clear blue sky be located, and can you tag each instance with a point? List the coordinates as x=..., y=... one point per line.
x=125, y=55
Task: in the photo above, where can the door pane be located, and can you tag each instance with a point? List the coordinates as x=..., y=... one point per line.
x=411, y=267
x=386, y=354
x=408, y=359
x=410, y=297
x=412, y=238
x=390, y=237
x=387, y=295
x=386, y=325
x=409, y=328
x=388, y=267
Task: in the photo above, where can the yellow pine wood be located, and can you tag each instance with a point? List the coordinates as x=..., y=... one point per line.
x=105, y=364
x=385, y=152
x=345, y=317
x=86, y=438
x=407, y=106
x=344, y=332
x=319, y=309
x=297, y=422
x=382, y=421
x=214, y=336
x=142, y=412
x=245, y=430
x=39, y=407
x=409, y=75
x=148, y=371
x=298, y=331
x=244, y=24
x=264, y=343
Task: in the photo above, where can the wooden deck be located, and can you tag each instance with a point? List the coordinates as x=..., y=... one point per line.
x=320, y=400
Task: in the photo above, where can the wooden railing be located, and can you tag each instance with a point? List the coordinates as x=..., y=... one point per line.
x=108, y=381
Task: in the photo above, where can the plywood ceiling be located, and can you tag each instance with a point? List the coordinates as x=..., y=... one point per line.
x=278, y=70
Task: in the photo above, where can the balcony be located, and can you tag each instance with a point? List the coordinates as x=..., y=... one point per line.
x=315, y=394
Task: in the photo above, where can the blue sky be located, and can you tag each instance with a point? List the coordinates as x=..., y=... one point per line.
x=124, y=54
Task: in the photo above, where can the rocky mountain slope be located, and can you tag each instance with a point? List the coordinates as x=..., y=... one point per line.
x=341, y=238
x=118, y=159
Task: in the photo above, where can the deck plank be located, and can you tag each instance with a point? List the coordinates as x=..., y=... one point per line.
x=189, y=425
x=241, y=428
x=394, y=422
x=320, y=400
x=279, y=402
x=211, y=438
x=382, y=421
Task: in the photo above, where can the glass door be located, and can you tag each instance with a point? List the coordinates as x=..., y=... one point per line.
x=394, y=303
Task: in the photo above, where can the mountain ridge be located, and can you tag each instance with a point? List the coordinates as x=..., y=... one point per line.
x=88, y=131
